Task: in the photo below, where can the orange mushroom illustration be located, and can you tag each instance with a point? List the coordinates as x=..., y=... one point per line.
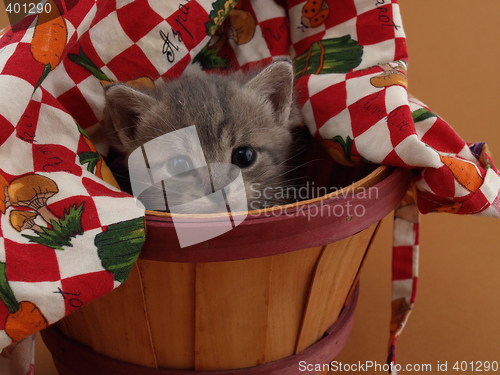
x=33, y=191
x=21, y=220
x=392, y=75
x=4, y=195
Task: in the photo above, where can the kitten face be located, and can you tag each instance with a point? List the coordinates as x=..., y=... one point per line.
x=240, y=119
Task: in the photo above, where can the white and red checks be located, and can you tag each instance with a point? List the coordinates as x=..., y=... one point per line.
x=350, y=60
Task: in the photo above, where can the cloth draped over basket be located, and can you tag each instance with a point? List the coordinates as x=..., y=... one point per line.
x=67, y=232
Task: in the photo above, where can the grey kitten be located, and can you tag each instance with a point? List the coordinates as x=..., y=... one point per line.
x=243, y=119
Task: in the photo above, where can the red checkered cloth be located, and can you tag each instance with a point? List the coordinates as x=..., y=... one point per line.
x=350, y=58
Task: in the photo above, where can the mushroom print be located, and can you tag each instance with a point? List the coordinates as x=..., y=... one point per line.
x=21, y=220
x=392, y=75
x=4, y=195
x=33, y=191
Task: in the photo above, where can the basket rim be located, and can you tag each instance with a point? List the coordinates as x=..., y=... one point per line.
x=370, y=180
x=272, y=234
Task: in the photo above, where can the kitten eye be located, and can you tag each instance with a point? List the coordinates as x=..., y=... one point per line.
x=179, y=164
x=243, y=157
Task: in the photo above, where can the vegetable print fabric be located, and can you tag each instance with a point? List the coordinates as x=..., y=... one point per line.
x=69, y=235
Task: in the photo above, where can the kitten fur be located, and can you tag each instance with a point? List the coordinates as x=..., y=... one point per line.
x=255, y=109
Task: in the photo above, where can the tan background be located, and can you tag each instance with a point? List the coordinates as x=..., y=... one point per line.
x=454, y=52
x=454, y=57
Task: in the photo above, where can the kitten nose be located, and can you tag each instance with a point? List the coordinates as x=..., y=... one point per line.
x=218, y=198
x=222, y=174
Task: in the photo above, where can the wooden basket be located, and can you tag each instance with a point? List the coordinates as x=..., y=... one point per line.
x=262, y=292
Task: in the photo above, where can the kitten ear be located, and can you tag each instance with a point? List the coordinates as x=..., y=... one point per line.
x=124, y=107
x=275, y=83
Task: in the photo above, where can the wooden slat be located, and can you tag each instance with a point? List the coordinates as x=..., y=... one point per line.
x=169, y=294
x=356, y=278
x=290, y=283
x=119, y=324
x=232, y=301
x=76, y=327
x=336, y=270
